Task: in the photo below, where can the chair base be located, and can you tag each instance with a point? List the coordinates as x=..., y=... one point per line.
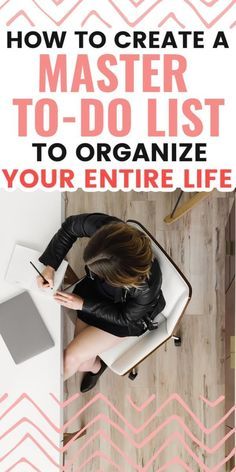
x=177, y=340
x=133, y=373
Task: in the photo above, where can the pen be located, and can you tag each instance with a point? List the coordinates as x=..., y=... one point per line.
x=41, y=275
x=69, y=286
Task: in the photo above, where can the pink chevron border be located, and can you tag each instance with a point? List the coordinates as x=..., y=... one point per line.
x=66, y=402
x=64, y=18
x=4, y=3
x=135, y=430
x=214, y=403
x=137, y=445
x=139, y=10
x=17, y=15
x=4, y=397
x=144, y=405
x=94, y=13
x=174, y=437
x=151, y=461
x=171, y=16
x=23, y=460
x=210, y=3
x=139, y=19
x=216, y=19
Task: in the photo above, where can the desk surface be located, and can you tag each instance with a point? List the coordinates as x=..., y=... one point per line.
x=31, y=219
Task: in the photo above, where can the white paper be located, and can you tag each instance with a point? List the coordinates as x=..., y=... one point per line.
x=22, y=273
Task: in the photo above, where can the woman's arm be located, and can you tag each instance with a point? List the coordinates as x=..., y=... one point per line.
x=120, y=314
x=76, y=226
x=141, y=301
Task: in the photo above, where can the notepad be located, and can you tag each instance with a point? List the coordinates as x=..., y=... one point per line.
x=21, y=272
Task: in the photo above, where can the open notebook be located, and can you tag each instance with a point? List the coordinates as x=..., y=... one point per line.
x=21, y=272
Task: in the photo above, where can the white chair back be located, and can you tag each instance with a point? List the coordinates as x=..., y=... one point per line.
x=177, y=293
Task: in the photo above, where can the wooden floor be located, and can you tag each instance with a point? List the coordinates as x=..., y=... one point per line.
x=197, y=244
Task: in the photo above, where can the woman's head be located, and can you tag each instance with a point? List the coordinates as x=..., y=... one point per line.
x=120, y=254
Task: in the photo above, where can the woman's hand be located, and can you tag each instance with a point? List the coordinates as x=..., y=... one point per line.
x=48, y=273
x=69, y=300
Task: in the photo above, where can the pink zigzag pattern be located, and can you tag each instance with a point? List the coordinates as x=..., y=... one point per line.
x=4, y=397
x=210, y=3
x=214, y=403
x=24, y=396
x=165, y=445
x=191, y=453
x=156, y=413
x=96, y=14
x=74, y=397
x=38, y=446
x=4, y=3
x=25, y=461
x=102, y=433
x=216, y=19
x=27, y=436
x=175, y=460
x=31, y=423
x=99, y=454
x=173, y=437
x=173, y=17
x=129, y=425
x=126, y=435
x=138, y=20
x=66, y=402
x=138, y=445
x=121, y=12
x=17, y=15
x=148, y=438
x=136, y=4
x=144, y=405
x=58, y=2
x=64, y=18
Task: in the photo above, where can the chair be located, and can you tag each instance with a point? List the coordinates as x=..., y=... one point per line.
x=177, y=291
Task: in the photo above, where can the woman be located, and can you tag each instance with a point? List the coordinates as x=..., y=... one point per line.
x=118, y=297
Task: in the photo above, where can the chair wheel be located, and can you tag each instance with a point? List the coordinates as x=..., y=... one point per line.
x=178, y=342
x=133, y=374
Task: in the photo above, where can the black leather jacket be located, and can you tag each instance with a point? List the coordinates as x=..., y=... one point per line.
x=132, y=308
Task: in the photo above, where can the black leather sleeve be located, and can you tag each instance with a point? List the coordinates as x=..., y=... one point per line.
x=121, y=314
x=75, y=226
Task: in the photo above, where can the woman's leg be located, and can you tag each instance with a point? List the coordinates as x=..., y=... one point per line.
x=93, y=364
x=80, y=325
x=89, y=343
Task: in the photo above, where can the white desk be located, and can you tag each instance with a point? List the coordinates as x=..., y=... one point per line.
x=30, y=218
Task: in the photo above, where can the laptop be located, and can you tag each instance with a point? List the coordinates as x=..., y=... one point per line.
x=23, y=329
